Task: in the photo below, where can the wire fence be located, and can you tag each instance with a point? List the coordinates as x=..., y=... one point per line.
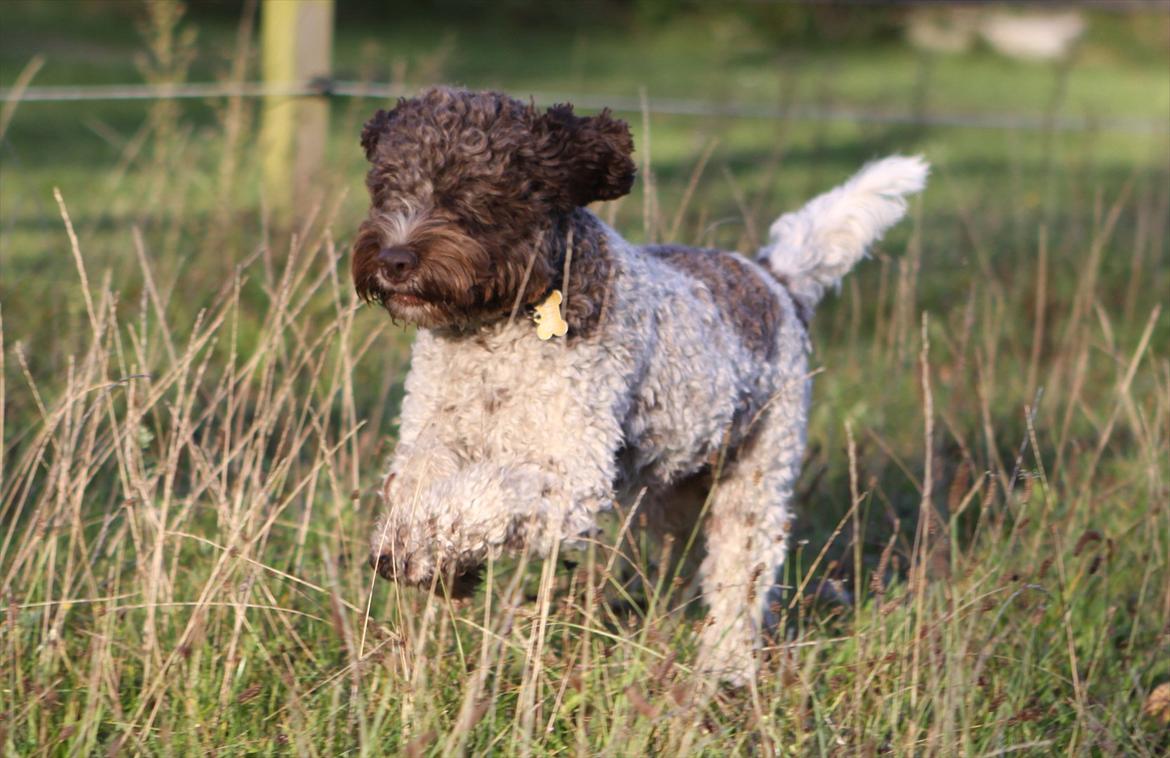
x=654, y=105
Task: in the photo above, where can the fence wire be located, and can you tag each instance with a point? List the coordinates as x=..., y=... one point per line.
x=654, y=105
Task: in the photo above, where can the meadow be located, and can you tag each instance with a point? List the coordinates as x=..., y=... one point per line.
x=196, y=410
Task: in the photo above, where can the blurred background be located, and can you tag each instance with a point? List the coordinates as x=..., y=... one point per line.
x=202, y=126
x=196, y=412
x=773, y=101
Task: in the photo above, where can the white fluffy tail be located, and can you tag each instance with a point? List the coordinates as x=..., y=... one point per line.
x=812, y=248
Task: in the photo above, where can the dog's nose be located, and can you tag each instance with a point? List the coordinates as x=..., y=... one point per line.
x=398, y=262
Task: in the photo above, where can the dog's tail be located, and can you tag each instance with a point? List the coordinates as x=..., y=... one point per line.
x=812, y=248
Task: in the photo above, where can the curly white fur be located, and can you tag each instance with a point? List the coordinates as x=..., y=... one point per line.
x=812, y=248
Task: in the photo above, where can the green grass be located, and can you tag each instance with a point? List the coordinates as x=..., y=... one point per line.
x=196, y=413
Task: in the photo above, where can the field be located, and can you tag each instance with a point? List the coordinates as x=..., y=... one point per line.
x=195, y=410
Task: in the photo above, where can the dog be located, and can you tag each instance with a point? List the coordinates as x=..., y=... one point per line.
x=558, y=369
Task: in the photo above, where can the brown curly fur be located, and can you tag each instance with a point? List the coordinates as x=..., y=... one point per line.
x=738, y=289
x=490, y=187
x=586, y=292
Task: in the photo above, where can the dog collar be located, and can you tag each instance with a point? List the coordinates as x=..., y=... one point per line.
x=547, y=317
x=546, y=312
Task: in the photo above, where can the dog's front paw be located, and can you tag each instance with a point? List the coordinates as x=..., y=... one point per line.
x=440, y=532
x=460, y=581
x=397, y=555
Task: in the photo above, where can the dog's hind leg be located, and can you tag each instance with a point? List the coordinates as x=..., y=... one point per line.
x=661, y=551
x=746, y=534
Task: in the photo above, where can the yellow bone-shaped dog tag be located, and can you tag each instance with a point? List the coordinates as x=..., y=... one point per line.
x=548, y=317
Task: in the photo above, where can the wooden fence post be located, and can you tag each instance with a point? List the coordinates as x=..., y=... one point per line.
x=297, y=48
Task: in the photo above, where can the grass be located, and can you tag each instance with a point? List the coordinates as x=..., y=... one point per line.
x=196, y=412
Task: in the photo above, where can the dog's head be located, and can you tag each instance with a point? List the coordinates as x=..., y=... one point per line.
x=464, y=189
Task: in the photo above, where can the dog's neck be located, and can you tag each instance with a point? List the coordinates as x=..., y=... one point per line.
x=581, y=263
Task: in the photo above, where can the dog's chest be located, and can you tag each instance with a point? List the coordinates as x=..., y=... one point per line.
x=506, y=394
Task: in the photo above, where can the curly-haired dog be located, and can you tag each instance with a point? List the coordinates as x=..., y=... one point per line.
x=649, y=365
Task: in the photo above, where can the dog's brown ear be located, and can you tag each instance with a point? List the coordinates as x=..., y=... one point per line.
x=586, y=158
